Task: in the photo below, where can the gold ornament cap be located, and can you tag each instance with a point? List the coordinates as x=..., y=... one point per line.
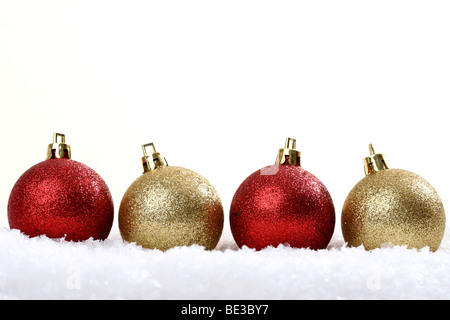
x=375, y=162
x=58, y=150
x=157, y=159
x=289, y=155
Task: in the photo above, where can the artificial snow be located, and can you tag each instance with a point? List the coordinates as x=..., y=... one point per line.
x=42, y=268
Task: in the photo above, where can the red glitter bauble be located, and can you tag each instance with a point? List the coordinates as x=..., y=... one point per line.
x=282, y=204
x=61, y=198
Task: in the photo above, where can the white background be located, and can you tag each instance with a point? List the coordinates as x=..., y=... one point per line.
x=219, y=85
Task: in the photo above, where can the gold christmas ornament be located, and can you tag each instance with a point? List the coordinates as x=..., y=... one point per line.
x=392, y=206
x=169, y=207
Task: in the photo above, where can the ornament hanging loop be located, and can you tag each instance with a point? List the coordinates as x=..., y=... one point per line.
x=375, y=162
x=59, y=150
x=289, y=155
x=157, y=159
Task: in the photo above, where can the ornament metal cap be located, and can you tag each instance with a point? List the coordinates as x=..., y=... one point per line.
x=288, y=154
x=59, y=150
x=157, y=159
x=375, y=162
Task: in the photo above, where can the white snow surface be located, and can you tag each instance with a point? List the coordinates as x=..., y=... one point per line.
x=42, y=268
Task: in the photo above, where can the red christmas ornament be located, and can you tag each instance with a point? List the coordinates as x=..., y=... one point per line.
x=60, y=198
x=282, y=204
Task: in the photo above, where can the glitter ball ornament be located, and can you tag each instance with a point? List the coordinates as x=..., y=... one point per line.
x=392, y=206
x=282, y=204
x=60, y=197
x=170, y=206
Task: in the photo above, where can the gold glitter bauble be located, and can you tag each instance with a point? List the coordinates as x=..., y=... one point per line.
x=171, y=206
x=393, y=206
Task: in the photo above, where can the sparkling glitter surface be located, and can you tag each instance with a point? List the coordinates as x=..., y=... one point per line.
x=395, y=206
x=169, y=207
x=61, y=197
x=282, y=204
